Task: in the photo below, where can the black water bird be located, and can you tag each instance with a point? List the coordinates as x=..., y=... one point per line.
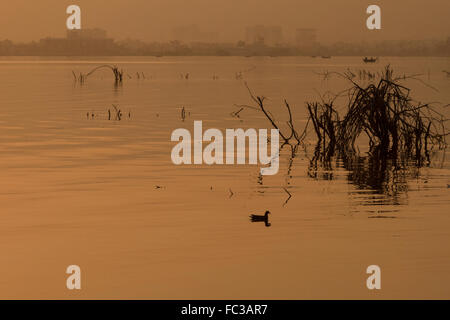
x=260, y=218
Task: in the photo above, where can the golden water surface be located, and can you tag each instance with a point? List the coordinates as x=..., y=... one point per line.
x=104, y=194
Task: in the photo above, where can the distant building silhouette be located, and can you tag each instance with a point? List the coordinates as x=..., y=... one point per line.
x=264, y=35
x=80, y=42
x=192, y=34
x=305, y=37
x=86, y=34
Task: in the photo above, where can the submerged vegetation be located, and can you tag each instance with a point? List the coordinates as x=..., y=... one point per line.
x=382, y=111
x=376, y=113
x=385, y=113
x=118, y=74
x=114, y=114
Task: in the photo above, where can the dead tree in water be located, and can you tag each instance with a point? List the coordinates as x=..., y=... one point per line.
x=260, y=105
x=118, y=74
x=382, y=110
x=385, y=113
x=325, y=121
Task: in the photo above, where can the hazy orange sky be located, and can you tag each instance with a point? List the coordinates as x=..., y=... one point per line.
x=24, y=20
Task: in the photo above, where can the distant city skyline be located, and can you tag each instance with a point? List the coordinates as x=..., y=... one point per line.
x=227, y=21
x=260, y=41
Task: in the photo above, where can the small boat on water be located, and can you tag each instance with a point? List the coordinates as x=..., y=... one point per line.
x=370, y=60
x=326, y=57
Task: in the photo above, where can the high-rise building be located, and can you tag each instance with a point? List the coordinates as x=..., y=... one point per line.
x=86, y=34
x=305, y=37
x=80, y=42
x=265, y=35
x=192, y=33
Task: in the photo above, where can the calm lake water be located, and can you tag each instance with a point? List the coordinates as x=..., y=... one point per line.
x=104, y=194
